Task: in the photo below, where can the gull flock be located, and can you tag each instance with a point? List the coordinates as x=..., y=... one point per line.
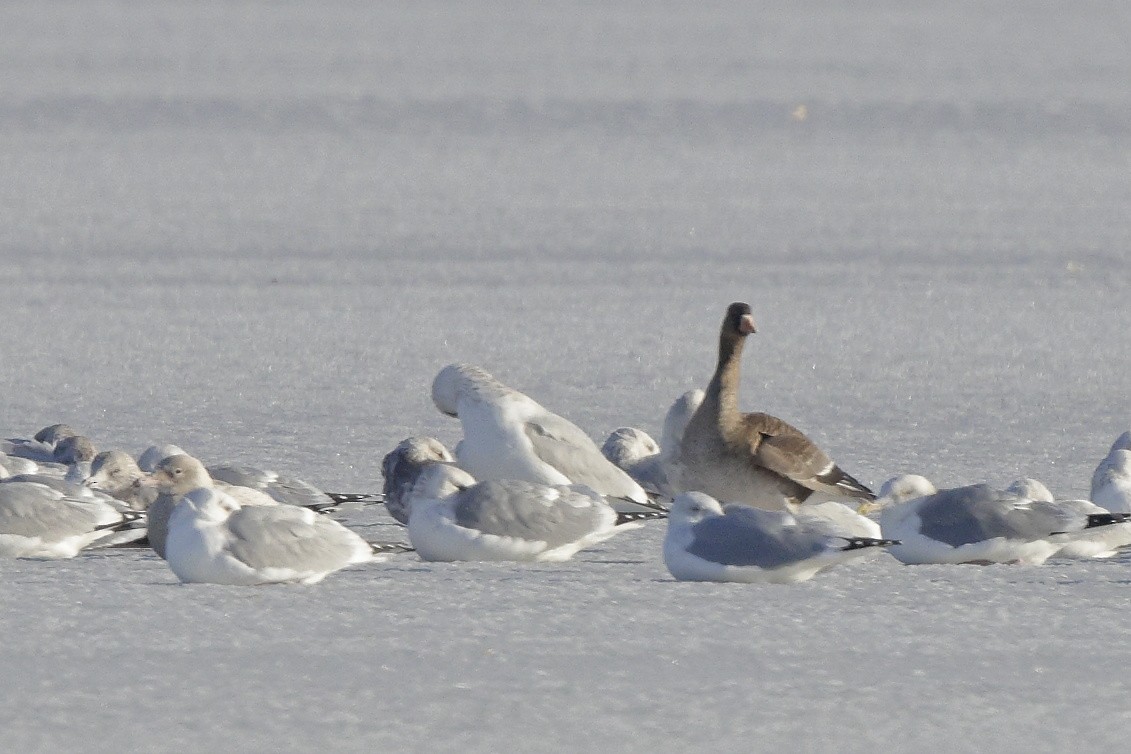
x=746, y=497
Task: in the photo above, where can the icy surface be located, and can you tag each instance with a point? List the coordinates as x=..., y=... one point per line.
x=259, y=229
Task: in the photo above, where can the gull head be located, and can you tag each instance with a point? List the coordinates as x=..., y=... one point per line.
x=1030, y=489
x=689, y=508
x=627, y=445
x=154, y=454
x=112, y=470
x=441, y=480
x=178, y=475
x=74, y=449
x=899, y=489
x=53, y=434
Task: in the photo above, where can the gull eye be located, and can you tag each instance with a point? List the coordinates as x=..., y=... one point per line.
x=178, y=471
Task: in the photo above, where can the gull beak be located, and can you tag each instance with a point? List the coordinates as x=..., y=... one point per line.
x=867, y=507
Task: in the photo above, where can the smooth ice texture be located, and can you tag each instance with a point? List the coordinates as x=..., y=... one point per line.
x=259, y=229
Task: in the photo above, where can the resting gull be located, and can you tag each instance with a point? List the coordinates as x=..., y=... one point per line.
x=754, y=458
x=452, y=517
x=1111, y=487
x=709, y=542
x=645, y=460
x=1096, y=542
x=212, y=539
x=981, y=525
x=402, y=466
x=508, y=435
x=37, y=521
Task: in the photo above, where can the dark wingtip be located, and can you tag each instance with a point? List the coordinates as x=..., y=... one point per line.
x=366, y=498
x=1106, y=519
x=390, y=548
x=630, y=516
x=859, y=543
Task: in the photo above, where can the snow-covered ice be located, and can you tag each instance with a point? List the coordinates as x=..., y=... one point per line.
x=259, y=229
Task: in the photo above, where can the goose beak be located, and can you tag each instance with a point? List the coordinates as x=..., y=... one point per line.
x=746, y=325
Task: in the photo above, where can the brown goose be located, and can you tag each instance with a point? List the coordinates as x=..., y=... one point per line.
x=756, y=459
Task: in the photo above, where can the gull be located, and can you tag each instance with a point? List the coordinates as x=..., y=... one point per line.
x=754, y=458
x=642, y=458
x=981, y=525
x=1111, y=485
x=37, y=521
x=508, y=435
x=453, y=517
x=402, y=466
x=212, y=539
x=709, y=542
x=1096, y=542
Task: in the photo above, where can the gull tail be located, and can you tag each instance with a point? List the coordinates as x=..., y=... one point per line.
x=859, y=543
x=390, y=548
x=365, y=498
x=649, y=505
x=130, y=520
x=624, y=517
x=1105, y=519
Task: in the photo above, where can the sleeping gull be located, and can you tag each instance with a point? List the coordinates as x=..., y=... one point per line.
x=980, y=525
x=754, y=458
x=212, y=539
x=116, y=473
x=37, y=521
x=645, y=460
x=1111, y=487
x=1123, y=442
x=41, y=447
x=402, y=466
x=635, y=452
x=707, y=542
x=508, y=435
x=1096, y=542
x=452, y=517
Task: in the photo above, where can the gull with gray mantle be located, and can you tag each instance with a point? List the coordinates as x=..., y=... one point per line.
x=754, y=458
x=453, y=517
x=638, y=455
x=401, y=467
x=1111, y=481
x=709, y=542
x=1096, y=542
x=508, y=435
x=38, y=521
x=981, y=525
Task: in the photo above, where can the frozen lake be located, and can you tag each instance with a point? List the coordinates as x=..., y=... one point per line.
x=260, y=229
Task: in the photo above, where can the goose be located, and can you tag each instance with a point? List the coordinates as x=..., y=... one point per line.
x=754, y=458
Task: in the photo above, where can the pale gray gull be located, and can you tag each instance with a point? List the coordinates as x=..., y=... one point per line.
x=212, y=539
x=645, y=460
x=980, y=525
x=401, y=467
x=508, y=435
x=1111, y=489
x=453, y=517
x=37, y=521
x=753, y=458
x=709, y=542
